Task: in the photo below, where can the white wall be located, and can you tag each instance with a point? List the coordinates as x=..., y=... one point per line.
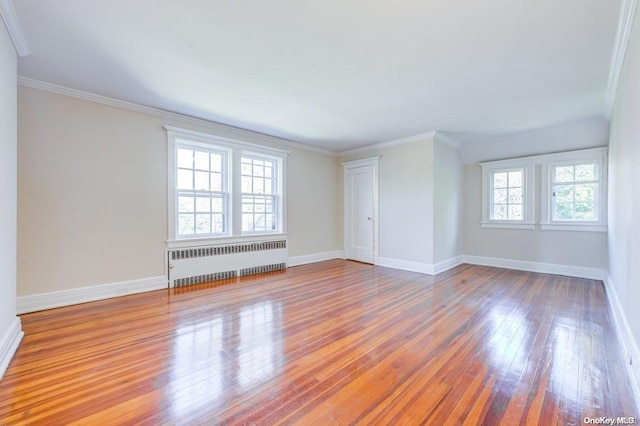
x=624, y=193
x=92, y=197
x=8, y=320
x=448, y=193
x=405, y=198
x=567, y=248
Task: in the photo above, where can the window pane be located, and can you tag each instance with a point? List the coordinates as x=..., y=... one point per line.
x=585, y=192
x=247, y=222
x=515, y=196
x=185, y=158
x=246, y=184
x=585, y=211
x=268, y=186
x=203, y=224
x=185, y=204
x=564, y=193
x=258, y=186
x=246, y=167
x=515, y=179
x=500, y=180
x=500, y=212
x=564, y=211
x=216, y=205
x=258, y=171
x=500, y=196
x=586, y=172
x=216, y=182
x=268, y=171
x=515, y=212
x=185, y=179
x=216, y=162
x=202, y=181
x=203, y=204
x=186, y=224
x=564, y=174
x=202, y=160
x=217, y=223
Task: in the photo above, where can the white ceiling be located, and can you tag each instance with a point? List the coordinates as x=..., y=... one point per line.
x=334, y=74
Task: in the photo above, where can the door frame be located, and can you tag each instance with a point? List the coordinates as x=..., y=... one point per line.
x=373, y=162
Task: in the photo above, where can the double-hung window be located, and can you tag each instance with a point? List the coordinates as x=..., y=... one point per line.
x=259, y=194
x=219, y=187
x=201, y=190
x=508, y=194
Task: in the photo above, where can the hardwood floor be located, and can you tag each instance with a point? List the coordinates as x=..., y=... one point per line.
x=336, y=342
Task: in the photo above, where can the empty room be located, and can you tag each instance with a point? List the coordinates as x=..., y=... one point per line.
x=387, y=213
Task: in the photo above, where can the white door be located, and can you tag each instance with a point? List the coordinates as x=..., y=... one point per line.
x=360, y=211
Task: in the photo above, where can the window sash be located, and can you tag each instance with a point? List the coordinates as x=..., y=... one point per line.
x=570, y=205
x=510, y=207
x=260, y=194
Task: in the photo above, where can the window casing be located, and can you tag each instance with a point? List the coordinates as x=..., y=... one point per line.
x=223, y=188
x=201, y=190
x=259, y=181
x=574, y=191
x=508, y=194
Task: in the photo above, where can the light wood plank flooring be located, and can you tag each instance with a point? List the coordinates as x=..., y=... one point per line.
x=336, y=342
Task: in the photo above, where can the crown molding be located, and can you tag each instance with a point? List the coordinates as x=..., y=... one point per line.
x=447, y=140
x=402, y=141
x=168, y=115
x=625, y=22
x=14, y=28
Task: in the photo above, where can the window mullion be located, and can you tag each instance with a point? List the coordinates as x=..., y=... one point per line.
x=235, y=193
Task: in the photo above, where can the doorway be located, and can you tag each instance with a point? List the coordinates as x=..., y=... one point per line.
x=361, y=209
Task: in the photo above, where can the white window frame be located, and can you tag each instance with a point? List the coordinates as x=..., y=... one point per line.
x=225, y=192
x=595, y=155
x=528, y=189
x=235, y=149
x=277, y=183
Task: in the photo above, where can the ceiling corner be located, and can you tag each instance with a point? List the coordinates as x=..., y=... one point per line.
x=13, y=27
x=625, y=22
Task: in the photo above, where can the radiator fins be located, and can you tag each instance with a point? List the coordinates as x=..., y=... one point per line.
x=180, y=282
x=260, y=269
x=228, y=249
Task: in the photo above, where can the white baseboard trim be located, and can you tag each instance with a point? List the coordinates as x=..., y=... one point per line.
x=315, y=257
x=405, y=265
x=545, y=268
x=629, y=344
x=422, y=268
x=56, y=299
x=445, y=265
x=9, y=344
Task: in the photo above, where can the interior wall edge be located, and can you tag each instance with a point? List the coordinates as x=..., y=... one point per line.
x=629, y=346
x=9, y=344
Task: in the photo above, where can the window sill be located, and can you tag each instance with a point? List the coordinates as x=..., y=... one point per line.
x=201, y=242
x=573, y=227
x=507, y=225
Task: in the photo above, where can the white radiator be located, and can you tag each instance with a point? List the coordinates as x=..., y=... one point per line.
x=210, y=263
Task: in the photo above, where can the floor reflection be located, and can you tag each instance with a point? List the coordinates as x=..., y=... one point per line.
x=260, y=349
x=570, y=345
x=213, y=357
x=510, y=341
